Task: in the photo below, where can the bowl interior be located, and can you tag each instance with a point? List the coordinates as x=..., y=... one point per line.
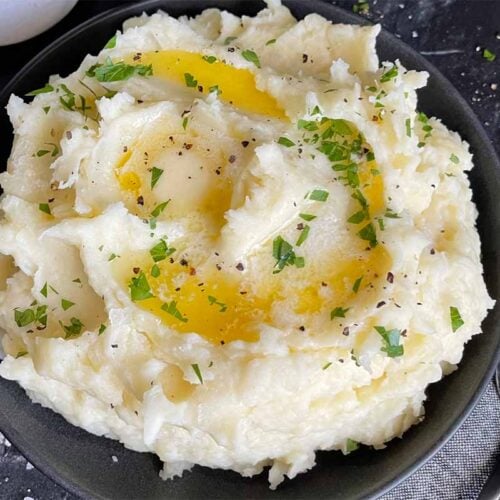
x=82, y=462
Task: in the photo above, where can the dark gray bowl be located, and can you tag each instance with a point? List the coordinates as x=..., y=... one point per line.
x=82, y=462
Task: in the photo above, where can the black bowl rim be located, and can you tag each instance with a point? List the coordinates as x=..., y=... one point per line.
x=147, y=5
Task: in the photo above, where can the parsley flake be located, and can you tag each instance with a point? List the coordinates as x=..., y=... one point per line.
x=319, y=195
x=408, y=127
x=155, y=271
x=209, y=59
x=119, y=71
x=389, y=75
x=454, y=159
x=252, y=57
x=159, y=208
x=111, y=43
x=338, y=312
x=327, y=365
x=351, y=446
x=391, y=340
x=284, y=254
x=213, y=300
x=190, y=80
x=139, y=288
x=369, y=234
x=285, y=141
x=161, y=251
x=303, y=235
x=44, y=290
x=489, y=55
x=101, y=329
x=307, y=217
x=456, y=319
x=171, y=308
x=356, y=285
x=156, y=173
x=73, y=329
x=271, y=42
x=44, y=90
x=66, y=304
x=197, y=372
x=44, y=207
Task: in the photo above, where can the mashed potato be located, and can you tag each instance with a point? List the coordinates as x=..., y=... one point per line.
x=234, y=241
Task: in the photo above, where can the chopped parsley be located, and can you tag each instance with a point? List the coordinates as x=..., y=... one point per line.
x=159, y=208
x=46, y=109
x=455, y=318
x=44, y=90
x=74, y=328
x=391, y=340
x=161, y=251
x=252, y=57
x=229, y=39
x=113, y=256
x=285, y=255
x=369, y=234
x=44, y=207
x=307, y=217
x=156, y=173
x=338, y=312
x=20, y=354
x=44, y=290
x=285, y=141
x=454, y=159
x=139, y=288
x=111, y=43
x=390, y=74
x=408, y=127
x=66, y=304
x=319, y=195
x=327, y=365
x=185, y=122
x=489, y=55
x=190, y=80
x=390, y=214
x=209, y=59
x=119, y=71
x=351, y=446
x=42, y=152
x=213, y=300
x=271, y=42
x=216, y=89
x=356, y=285
x=171, y=308
x=155, y=271
x=101, y=329
x=197, y=372
x=303, y=235
x=28, y=316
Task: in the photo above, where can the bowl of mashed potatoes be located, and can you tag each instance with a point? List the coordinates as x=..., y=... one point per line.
x=234, y=242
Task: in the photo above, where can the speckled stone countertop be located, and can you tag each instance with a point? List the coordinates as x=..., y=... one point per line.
x=452, y=35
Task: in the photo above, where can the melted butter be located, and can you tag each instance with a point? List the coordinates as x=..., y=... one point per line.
x=235, y=314
x=237, y=86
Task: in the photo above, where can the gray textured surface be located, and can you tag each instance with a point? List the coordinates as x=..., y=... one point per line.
x=448, y=33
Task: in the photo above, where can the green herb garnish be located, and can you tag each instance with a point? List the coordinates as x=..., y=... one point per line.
x=159, y=208
x=213, y=300
x=139, y=288
x=44, y=90
x=455, y=318
x=489, y=55
x=74, y=328
x=156, y=173
x=284, y=141
x=161, y=251
x=197, y=372
x=119, y=71
x=356, y=285
x=307, y=217
x=66, y=304
x=454, y=159
x=319, y=195
x=190, y=80
x=251, y=56
x=44, y=207
x=111, y=43
x=171, y=308
x=391, y=340
x=338, y=312
x=389, y=75
x=209, y=59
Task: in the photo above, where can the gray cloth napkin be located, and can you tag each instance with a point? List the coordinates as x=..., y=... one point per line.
x=460, y=469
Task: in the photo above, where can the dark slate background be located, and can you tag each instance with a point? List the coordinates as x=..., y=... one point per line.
x=452, y=35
